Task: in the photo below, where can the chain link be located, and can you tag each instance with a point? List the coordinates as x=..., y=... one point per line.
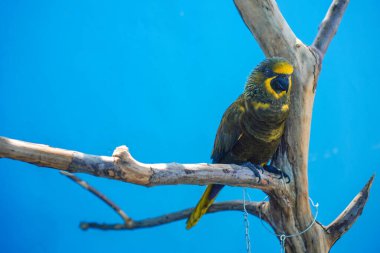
x=283, y=236
x=246, y=223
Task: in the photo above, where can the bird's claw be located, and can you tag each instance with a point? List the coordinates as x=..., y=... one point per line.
x=255, y=169
x=269, y=168
x=274, y=170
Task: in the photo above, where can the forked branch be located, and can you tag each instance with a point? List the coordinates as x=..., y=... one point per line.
x=288, y=210
x=251, y=207
x=259, y=209
x=348, y=217
x=127, y=220
x=265, y=21
x=329, y=25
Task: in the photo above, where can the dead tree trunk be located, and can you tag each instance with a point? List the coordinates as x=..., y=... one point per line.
x=288, y=209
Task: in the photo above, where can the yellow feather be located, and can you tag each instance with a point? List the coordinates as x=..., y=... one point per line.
x=268, y=87
x=283, y=68
x=259, y=105
x=284, y=108
x=201, y=208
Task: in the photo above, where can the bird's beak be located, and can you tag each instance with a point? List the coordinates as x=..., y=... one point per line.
x=283, y=82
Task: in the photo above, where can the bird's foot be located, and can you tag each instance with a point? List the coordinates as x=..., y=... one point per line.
x=255, y=169
x=274, y=170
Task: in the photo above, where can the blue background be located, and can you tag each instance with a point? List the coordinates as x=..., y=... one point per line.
x=157, y=77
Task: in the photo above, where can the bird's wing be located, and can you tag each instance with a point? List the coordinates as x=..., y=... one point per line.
x=229, y=130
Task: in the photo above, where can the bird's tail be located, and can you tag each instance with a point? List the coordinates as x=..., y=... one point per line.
x=204, y=203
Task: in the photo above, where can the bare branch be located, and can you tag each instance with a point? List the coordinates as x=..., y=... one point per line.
x=329, y=25
x=259, y=209
x=252, y=208
x=268, y=26
x=348, y=217
x=288, y=211
x=98, y=194
x=122, y=166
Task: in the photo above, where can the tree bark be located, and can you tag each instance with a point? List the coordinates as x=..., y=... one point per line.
x=288, y=209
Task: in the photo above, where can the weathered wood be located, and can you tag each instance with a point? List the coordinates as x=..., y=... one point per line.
x=37, y=154
x=289, y=206
x=264, y=19
x=288, y=210
x=259, y=209
x=348, y=217
x=127, y=220
x=251, y=207
x=329, y=25
x=122, y=166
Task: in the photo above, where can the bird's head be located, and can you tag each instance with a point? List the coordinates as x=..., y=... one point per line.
x=270, y=80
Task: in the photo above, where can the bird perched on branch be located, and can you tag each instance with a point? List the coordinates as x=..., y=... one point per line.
x=251, y=128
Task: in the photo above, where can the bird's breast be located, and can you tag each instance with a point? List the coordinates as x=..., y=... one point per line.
x=265, y=121
x=262, y=126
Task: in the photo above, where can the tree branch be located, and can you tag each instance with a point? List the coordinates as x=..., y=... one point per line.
x=252, y=208
x=122, y=166
x=98, y=194
x=329, y=25
x=265, y=21
x=348, y=217
x=259, y=209
x=288, y=209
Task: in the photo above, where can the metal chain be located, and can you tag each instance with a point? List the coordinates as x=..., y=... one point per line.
x=246, y=223
x=284, y=236
x=282, y=239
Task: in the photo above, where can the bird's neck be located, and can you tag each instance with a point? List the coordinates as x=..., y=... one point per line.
x=259, y=102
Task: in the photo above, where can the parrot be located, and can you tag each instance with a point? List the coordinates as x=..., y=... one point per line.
x=251, y=128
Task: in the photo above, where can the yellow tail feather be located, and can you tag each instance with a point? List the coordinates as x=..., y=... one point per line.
x=201, y=208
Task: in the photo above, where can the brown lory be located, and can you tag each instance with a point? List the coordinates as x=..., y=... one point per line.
x=251, y=128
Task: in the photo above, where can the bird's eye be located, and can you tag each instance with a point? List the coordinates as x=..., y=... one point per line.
x=267, y=72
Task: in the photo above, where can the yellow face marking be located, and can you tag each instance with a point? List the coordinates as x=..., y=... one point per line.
x=283, y=68
x=268, y=87
x=285, y=108
x=259, y=105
